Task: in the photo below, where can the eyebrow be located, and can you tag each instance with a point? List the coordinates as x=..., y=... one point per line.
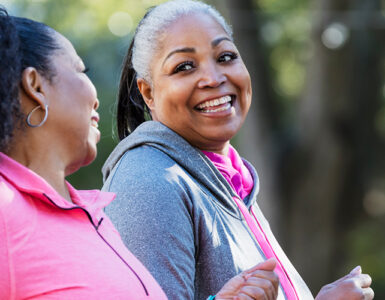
x=214, y=44
x=180, y=50
x=217, y=41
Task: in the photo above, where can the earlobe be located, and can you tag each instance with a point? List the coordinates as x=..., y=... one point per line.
x=146, y=91
x=32, y=86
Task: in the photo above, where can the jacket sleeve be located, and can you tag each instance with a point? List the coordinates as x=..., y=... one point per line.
x=151, y=212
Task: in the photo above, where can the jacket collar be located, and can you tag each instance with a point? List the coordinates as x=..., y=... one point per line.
x=27, y=181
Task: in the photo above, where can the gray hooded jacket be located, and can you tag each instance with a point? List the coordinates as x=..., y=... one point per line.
x=175, y=212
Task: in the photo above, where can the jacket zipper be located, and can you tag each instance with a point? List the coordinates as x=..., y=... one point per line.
x=99, y=234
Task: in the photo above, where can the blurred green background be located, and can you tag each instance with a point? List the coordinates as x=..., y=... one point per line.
x=316, y=129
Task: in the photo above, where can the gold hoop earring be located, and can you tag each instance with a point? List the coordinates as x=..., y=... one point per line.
x=44, y=119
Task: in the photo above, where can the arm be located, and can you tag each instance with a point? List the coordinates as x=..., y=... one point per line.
x=152, y=216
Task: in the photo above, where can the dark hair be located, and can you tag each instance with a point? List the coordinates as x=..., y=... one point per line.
x=23, y=43
x=132, y=110
x=37, y=45
x=10, y=68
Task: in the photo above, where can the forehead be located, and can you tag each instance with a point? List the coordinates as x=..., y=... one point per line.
x=189, y=30
x=66, y=49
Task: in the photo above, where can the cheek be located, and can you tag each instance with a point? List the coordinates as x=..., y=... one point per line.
x=172, y=97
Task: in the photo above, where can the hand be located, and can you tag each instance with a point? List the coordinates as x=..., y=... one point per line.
x=350, y=287
x=259, y=282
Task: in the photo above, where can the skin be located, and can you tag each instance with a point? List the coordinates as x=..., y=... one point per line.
x=67, y=140
x=259, y=282
x=354, y=286
x=191, y=69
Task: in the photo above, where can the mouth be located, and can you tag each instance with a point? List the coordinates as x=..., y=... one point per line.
x=216, y=105
x=95, y=120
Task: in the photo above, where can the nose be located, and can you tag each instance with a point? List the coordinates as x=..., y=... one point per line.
x=212, y=76
x=96, y=104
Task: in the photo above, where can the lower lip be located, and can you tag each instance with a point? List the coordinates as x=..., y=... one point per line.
x=97, y=132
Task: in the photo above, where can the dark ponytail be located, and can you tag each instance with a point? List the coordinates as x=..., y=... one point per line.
x=10, y=70
x=132, y=110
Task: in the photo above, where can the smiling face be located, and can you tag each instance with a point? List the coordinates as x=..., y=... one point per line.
x=72, y=98
x=200, y=88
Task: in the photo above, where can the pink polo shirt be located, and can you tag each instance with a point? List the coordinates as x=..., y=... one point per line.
x=53, y=249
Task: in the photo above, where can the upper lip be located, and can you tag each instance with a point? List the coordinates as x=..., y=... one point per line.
x=215, y=97
x=95, y=116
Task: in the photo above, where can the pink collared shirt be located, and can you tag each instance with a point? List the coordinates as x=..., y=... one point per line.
x=53, y=249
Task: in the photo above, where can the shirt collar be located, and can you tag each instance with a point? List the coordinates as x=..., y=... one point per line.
x=27, y=181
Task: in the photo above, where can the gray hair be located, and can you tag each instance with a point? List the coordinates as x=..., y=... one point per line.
x=149, y=29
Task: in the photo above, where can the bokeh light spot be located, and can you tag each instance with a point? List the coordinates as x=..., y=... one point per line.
x=120, y=23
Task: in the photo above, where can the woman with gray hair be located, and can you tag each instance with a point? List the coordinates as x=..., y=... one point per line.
x=55, y=241
x=186, y=201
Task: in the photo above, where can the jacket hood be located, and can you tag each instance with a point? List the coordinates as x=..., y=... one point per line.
x=157, y=135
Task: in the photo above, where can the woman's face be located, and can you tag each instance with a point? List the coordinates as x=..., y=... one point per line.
x=72, y=98
x=201, y=87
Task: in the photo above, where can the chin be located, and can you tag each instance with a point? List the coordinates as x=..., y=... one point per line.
x=90, y=156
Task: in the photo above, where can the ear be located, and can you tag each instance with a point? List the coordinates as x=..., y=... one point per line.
x=32, y=84
x=146, y=91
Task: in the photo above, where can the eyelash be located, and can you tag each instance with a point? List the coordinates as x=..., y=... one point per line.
x=181, y=66
x=86, y=70
x=232, y=55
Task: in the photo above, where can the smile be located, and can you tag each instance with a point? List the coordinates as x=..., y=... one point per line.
x=95, y=120
x=94, y=123
x=215, y=105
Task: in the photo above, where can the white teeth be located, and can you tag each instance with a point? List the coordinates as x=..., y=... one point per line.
x=215, y=102
x=227, y=106
x=94, y=123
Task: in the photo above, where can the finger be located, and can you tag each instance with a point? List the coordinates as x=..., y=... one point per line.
x=368, y=293
x=267, y=265
x=364, y=280
x=270, y=276
x=242, y=296
x=356, y=271
x=252, y=293
x=257, y=284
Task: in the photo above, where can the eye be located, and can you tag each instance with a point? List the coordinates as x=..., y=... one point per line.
x=184, y=66
x=86, y=70
x=227, y=56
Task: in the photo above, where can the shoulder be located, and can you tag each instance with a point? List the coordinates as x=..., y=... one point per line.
x=145, y=166
x=9, y=195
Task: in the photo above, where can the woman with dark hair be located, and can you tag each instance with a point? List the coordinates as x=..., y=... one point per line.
x=186, y=201
x=55, y=241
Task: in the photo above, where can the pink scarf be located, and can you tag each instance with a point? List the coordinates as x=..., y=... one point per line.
x=234, y=171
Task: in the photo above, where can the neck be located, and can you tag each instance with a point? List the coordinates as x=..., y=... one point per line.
x=222, y=149
x=45, y=162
